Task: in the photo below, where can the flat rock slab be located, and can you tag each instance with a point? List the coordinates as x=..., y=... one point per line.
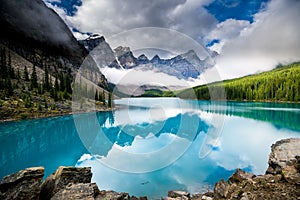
x=284, y=156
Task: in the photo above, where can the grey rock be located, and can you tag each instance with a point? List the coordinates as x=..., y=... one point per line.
x=112, y=195
x=221, y=189
x=25, y=184
x=206, y=198
x=62, y=178
x=283, y=156
x=87, y=191
x=240, y=175
x=179, y=194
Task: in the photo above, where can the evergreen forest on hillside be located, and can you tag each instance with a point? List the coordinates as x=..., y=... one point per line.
x=280, y=84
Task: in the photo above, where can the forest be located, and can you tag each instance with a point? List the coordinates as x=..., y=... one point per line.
x=279, y=84
x=28, y=91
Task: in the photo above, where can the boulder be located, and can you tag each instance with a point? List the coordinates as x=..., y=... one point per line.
x=240, y=175
x=174, y=194
x=112, y=195
x=86, y=191
x=63, y=177
x=283, y=157
x=221, y=189
x=25, y=184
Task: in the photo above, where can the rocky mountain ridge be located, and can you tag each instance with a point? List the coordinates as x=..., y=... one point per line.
x=183, y=66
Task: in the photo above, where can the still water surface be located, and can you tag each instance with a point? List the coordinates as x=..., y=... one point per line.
x=152, y=145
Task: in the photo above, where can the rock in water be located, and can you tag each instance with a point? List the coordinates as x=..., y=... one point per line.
x=25, y=184
x=283, y=156
x=63, y=177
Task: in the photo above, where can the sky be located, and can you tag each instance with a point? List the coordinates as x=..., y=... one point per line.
x=250, y=35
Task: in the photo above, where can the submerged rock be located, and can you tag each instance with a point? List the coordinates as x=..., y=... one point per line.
x=25, y=184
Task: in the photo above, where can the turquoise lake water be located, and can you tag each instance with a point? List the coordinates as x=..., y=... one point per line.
x=152, y=145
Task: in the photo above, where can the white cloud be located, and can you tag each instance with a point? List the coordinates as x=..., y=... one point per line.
x=138, y=78
x=273, y=38
x=227, y=30
x=245, y=48
x=109, y=17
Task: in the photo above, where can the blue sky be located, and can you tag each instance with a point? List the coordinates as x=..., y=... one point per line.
x=68, y=5
x=235, y=9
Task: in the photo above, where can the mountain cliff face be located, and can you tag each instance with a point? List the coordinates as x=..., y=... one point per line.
x=184, y=66
x=30, y=26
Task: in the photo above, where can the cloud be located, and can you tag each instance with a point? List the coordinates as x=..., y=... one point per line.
x=273, y=38
x=245, y=47
x=227, y=30
x=137, y=77
x=114, y=16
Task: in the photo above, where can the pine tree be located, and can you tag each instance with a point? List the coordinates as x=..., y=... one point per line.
x=103, y=98
x=68, y=84
x=18, y=76
x=8, y=86
x=46, y=79
x=56, y=85
x=46, y=105
x=109, y=100
x=33, y=79
x=96, y=96
x=62, y=82
x=3, y=69
x=100, y=97
x=26, y=76
x=11, y=71
x=40, y=107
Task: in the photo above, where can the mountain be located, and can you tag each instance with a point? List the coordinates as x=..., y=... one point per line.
x=101, y=51
x=30, y=26
x=38, y=34
x=184, y=66
x=39, y=58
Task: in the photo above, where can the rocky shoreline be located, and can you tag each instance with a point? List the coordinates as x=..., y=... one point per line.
x=281, y=181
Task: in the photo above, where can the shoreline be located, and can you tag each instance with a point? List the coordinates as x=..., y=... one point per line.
x=49, y=115
x=67, y=112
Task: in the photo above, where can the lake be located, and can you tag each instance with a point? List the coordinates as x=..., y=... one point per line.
x=151, y=145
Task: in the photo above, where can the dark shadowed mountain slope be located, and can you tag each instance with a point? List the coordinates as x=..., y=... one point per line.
x=30, y=26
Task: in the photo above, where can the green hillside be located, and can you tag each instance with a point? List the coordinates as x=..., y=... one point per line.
x=280, y=84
